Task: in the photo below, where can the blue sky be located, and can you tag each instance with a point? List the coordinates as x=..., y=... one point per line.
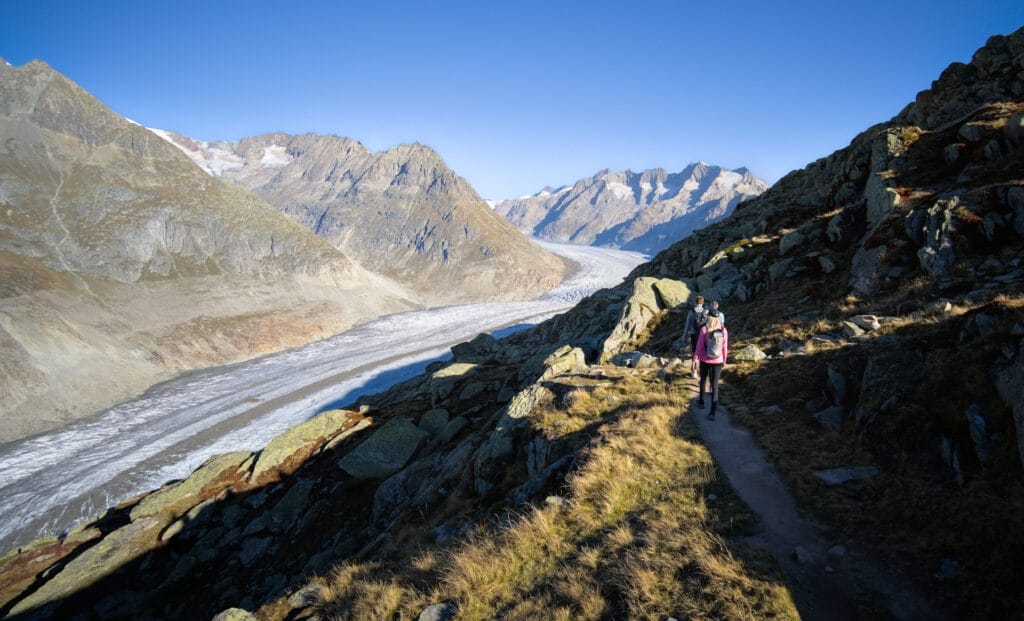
x=516, y=96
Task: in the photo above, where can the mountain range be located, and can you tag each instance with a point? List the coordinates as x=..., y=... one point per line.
x=123, y=263
x=644, y=211
x=401, y=212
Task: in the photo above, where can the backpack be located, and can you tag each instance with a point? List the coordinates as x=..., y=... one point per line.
x=713, y=342
x=701, y=318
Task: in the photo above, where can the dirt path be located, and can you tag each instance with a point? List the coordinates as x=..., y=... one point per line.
x=824, y=586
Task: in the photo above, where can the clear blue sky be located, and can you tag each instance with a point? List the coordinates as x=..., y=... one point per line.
x=521, y=94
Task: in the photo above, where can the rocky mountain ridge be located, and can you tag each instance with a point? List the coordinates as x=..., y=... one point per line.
x=401, y=212
x=644, y=211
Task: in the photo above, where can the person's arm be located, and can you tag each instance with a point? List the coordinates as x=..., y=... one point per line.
x=725, y=345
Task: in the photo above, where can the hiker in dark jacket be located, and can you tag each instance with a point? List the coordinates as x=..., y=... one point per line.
x=695, y=320
x=711, y=351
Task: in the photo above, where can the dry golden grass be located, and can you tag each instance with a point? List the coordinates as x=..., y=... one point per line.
x=633, y=541
x=634, y=538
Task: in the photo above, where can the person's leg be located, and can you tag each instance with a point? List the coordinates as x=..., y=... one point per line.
x=715, y=372
x=693, y=349
x=703, y=379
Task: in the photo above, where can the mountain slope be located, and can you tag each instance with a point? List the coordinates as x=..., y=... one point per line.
x=643, y=211
x=401, y=212
x=123, y=263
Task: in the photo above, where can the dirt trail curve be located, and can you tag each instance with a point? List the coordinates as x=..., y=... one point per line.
x=819, y=595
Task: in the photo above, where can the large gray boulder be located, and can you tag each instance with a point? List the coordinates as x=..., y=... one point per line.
x=1009, y=383
x=289, y=450
x=385, y=452
x=209, y=479
x=937, y=255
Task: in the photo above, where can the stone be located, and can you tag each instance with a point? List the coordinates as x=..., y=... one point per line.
x=437, y=612
x=979, y=432
x=434, y=421
x=1013, y=131
x=634, y=359
x=865, y=267
x=771, y=409
x=937, y=255
x=473, y=390
x=555, y=501
x=881, y=201
x=831, y=417
x=838, y=386
x=672, y=293
x=971, y=132
x=1015, y=201
x=803, y=556
x=777, y=270
x=113, y=551
x=705, y=282
x=750, y=353
x=790, y=241
x=385, y=452
x=442, y=382
x=1009, y=383
x=639, y=308
x=305, y=597
x=234, y=614
x=450, y=430
x=993, y=150
x=285, y=453
x=173, y=530
x=564, y=361
x=211, y=477
x=838, y=476
x=951, y=153
x=483, y=348
x=253, y=549
x=837, y=551
x=827, y=264
x=866, y=322
x=851, y=329
x=290, y=508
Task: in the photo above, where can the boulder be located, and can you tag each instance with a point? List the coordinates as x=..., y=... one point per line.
x=635, y=359
x=880, y=201
x=993, y=150
x=866, y=322
x=434, y=421
x=442, y=382
x=285, y=453
x=865, y=268
x=937, y=256
x=253, y=549
x=838, y=476
x=790, y=241
x=213, y=476
x=563, y=361
x=117, y=549
x=1013, y=131
x=438, y=612
x=672, y=293
x=838, y=387
x=385, y=452
x=831, y=417
x=828, y=265
x=1009, y=383
x=778, y=269
x=481, y=349
x=291, y=506
x=951, y=153
x=750, y=353
x=640, y=307
x=851, y=329
x=234, y=614
x=971, y=132
x=979, y=432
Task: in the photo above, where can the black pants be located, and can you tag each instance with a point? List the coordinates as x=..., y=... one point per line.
x=693, y=344
x=715, y=371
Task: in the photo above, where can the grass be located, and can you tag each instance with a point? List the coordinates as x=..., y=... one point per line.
x=633, y=538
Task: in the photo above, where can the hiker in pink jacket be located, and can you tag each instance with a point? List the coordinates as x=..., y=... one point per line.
x=712, y=349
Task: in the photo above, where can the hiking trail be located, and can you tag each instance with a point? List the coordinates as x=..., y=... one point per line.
x=824, y=586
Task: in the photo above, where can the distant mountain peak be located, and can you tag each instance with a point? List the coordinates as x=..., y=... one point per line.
x=646, y=210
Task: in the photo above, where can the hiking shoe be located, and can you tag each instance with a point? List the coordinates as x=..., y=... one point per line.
x=700, y=403
x=711, y=416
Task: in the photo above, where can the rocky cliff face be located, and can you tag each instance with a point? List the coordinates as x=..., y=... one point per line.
x=401, y=212
x=111, y=241
x=643, y=211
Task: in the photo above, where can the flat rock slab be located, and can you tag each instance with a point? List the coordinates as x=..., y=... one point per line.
x=182, y=496
x=289, y=450
x=385, y=452
x=838, y=476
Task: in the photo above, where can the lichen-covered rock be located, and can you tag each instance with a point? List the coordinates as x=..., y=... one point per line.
x=865, y=268
x=385, y=452
x=563, y=361
x=937, y=255
x=288, y=451
x=750, y=353
x=209, y=479
x=672, y=293
x=234, y=614
x=95, y=563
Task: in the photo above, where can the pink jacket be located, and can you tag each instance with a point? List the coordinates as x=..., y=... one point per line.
x=700, y=352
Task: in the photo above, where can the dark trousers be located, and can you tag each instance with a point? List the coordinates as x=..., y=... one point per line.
x=714, y=371
x=693, y=344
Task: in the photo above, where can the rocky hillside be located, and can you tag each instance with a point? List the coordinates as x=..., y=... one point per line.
x=645, y=211
x=401, y=212
x=122, y=263
x=876, y=354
